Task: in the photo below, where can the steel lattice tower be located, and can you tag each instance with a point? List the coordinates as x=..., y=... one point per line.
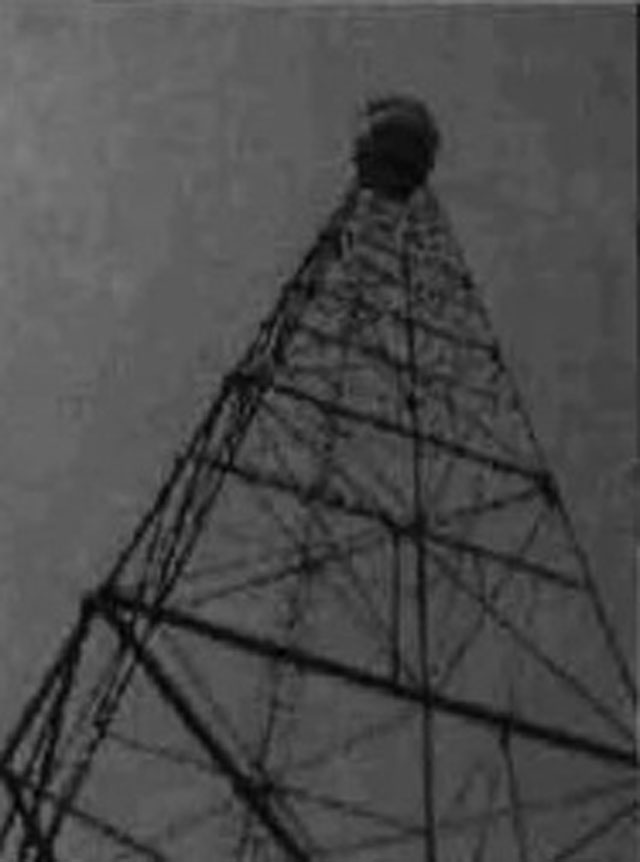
x=356, y=623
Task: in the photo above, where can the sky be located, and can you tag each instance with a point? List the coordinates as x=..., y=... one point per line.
x=162, y=169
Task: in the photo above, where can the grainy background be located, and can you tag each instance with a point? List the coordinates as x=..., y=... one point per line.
x=162, y=167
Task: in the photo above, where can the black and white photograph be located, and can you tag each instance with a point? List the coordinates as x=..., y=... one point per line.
x=318, y=432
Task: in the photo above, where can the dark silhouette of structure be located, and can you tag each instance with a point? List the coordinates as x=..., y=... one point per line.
x=356, y=623
x=397, y=147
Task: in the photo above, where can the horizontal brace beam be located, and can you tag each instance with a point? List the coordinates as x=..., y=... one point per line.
x=427, y=326
x=493, y=719
x=504, y=558
x=338, y=502
x=390, y=427
x=399, y=366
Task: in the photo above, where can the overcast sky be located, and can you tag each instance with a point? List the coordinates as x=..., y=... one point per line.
x=161, y=170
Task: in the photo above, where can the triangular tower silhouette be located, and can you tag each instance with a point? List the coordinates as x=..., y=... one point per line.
x=356, y=623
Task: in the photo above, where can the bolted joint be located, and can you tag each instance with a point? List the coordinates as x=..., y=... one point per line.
x=92, y=602
x=549, y=487
x=258, y=372
x=412, y=400
x=99, y=602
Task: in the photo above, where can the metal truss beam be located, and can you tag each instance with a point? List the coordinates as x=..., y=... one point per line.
x=58, y=669
x=380, y=423
x=97, y=825
x=380, y=354
x=254, y=796
x=492, y=719
x=34, y=836
x=36, y=756
x=332, y=500
x=428, y=327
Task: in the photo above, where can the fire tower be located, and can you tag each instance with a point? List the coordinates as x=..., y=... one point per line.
x=356, y=622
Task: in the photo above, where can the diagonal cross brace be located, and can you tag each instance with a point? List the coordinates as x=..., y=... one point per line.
x=253, y=795
x=33, y=833
x=477, y=713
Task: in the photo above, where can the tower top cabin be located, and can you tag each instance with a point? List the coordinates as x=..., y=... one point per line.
x=396, y=146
